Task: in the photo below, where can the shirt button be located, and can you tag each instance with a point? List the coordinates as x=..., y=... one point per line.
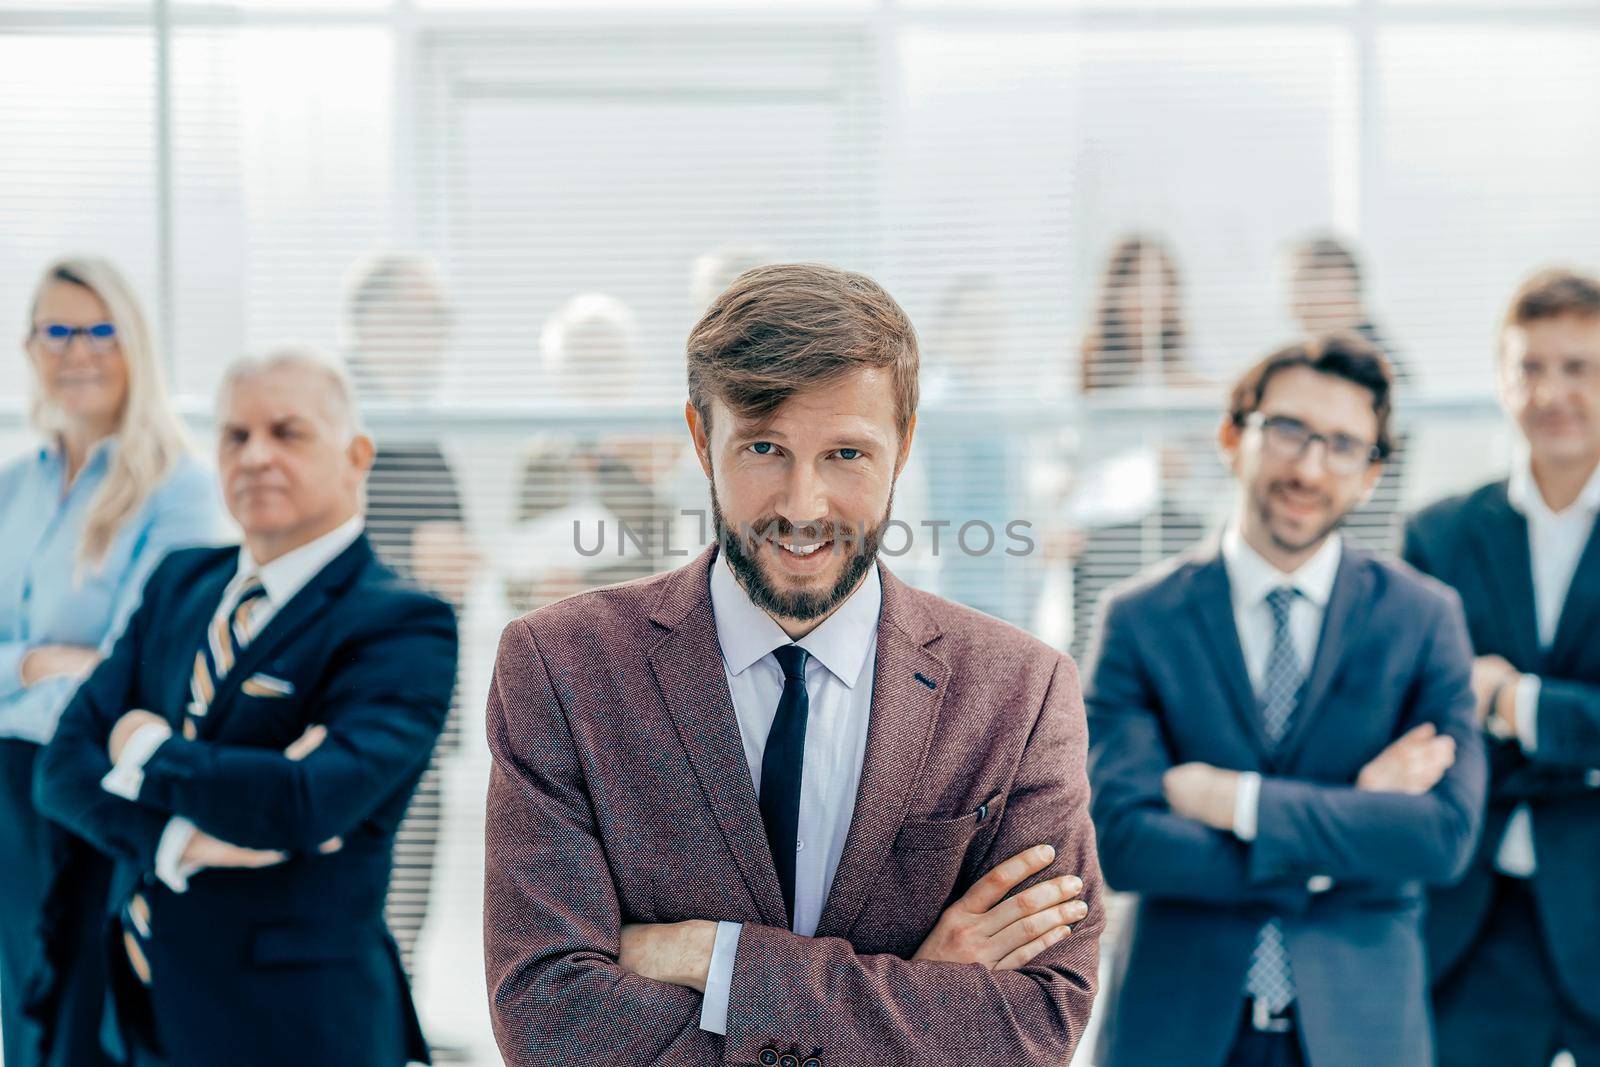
x=799, y=846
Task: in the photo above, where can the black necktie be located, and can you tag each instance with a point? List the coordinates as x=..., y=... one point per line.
x=780, y=768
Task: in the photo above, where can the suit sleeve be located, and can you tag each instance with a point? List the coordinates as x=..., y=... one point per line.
x=67, y=782
x=552, y=921
x=867, y=1010
x=383, y=703
x=1145, y=847
x=1311, y=828
x=1568, y=724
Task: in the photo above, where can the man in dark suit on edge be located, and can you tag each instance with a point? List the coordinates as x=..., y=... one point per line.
x=1515, y=947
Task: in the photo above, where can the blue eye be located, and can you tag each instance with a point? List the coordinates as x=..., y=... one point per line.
x=849, y=453
x=762, y=448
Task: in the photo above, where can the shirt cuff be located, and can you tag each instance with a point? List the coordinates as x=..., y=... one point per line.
x=719, y=979
x=170, y=867
x=1527, y=698
x=1246, y=802
x=126, y=778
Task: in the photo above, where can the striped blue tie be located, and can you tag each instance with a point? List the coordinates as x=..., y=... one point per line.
x=1269, y=981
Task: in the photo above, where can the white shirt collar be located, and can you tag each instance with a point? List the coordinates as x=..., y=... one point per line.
x=288, y=574
x=746, y=633
x=1251, y=577
x=1523, y=492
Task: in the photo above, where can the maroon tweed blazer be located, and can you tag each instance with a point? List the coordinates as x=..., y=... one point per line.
x=620, y=794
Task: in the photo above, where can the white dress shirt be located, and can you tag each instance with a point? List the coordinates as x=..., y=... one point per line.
x=1250, y=579
x=280, y=580
x=1556, y=540
x=839, y=695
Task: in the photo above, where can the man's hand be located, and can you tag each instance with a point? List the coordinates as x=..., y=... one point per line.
x=205, y=851
x=1004, y=934
x=57, y=661
x=675, y=953
x=1491, y=674
x=126, y=727
x=1202, y=792
x=1412, y=764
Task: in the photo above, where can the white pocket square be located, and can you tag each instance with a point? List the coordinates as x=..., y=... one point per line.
x=265, y=685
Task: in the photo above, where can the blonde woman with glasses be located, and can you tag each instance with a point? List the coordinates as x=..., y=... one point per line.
x=84, y=518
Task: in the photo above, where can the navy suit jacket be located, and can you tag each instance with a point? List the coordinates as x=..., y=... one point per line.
x=284, y=964
x=1168, y=685
x=1479, y=544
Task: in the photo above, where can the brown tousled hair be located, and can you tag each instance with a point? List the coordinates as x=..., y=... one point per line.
x=1341, y=354
x=1552, y=293
x=784, y=327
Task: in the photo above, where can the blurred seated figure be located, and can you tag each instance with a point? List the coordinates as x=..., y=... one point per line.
x=399, y=320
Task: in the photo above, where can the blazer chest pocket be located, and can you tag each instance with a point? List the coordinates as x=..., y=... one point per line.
x=940, y=835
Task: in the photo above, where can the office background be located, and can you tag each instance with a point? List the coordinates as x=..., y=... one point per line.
x=579, y=173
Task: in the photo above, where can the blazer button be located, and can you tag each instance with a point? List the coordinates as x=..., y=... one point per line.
x=769, y=1057
x=789, y=1059
x=814, y=1061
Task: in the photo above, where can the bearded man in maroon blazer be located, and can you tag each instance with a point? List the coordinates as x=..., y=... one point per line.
x=775, y=807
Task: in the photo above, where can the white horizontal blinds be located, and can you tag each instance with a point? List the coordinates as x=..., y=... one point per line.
x=1483, y=177
x=284, y=174
x=572, y=178
x=78, y=174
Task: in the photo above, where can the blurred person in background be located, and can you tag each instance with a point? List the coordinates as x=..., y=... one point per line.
x=982, y=466
x=1282, y=752
x=1327, y=289
x=1515, y=947
x=1328, y=292
x=1139, y=500
x=713, y=271
x=84, y=518
x=605, y=482
x=246, y=751
x=399, y=322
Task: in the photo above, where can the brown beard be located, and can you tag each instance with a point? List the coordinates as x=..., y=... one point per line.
x=861, y=546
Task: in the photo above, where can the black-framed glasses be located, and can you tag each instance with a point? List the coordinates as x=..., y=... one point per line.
x=56, y=337
x=1289, y=438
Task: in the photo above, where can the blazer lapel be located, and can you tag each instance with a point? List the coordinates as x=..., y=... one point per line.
x=908, y=686
x=1500, y=539
x=289, y=621
x=1349, y=604
x=1575, y=632
x=687, y=664
x=1212, y=602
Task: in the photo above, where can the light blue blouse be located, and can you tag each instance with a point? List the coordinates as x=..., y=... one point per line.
x=44, y=600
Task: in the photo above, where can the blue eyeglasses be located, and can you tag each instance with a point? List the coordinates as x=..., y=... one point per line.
x=56, y=337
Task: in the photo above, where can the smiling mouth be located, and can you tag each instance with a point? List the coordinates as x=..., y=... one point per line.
x=800, y=551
